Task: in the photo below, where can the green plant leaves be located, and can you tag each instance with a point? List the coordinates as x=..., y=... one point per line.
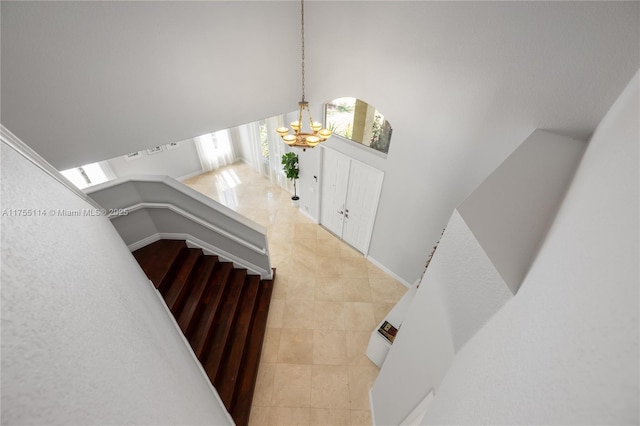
x=290, y=163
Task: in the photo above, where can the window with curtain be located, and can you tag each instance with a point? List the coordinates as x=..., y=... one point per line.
x=215, y=150
x=265, y=149
x=89, y=174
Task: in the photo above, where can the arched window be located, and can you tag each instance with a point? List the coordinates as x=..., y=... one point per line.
x=358, y=121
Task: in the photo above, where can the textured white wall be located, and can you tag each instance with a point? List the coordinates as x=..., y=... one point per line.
x=511, y=211
x=85, y=339
x=564, y=350
x=459, y=292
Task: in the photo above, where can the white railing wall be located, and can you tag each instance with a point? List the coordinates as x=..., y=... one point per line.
x=144, y=209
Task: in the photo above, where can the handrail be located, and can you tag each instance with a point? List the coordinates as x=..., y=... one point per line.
x=204, y=222
x=179, y=187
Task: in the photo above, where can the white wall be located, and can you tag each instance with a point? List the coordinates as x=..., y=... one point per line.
x=180, y=162
x=511, y=211
x=241, y=138
x=462, y=83
x=309, y=184
x=564, y=350
x=459, y=292
x=85, y=339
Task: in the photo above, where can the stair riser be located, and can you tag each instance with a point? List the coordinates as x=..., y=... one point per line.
x=222, y=311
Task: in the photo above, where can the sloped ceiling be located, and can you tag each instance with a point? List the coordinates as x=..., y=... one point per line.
x=85, y=81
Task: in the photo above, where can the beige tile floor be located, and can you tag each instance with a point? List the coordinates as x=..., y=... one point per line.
x=327, y=299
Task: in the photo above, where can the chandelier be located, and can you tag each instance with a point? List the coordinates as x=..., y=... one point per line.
x=315, y=133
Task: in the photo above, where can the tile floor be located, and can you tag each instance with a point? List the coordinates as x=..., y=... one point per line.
x=327, y=299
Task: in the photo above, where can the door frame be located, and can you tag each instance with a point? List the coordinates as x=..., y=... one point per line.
x=367, y=245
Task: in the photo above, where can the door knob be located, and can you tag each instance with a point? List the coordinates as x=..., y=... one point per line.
x=340, y=212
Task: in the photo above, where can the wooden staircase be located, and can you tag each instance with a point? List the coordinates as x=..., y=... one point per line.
x=221, y=310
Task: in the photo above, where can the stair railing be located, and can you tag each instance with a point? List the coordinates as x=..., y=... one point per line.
x=146, y=208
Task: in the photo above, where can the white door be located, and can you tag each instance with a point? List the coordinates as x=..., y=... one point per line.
x=349, y=198
x=335, y=174
x=360, y=207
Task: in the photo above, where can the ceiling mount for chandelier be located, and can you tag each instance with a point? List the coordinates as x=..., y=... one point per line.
x=315, y=134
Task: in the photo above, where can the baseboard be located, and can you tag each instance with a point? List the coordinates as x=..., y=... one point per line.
x=194, y=242
x=373, y=414
x=308, y=215
x=144, y=242
x=190, y=175
x=228, y=257
x=389, y=272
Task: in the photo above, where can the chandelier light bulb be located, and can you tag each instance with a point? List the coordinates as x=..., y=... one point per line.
x=325, y=133
x=290, y=139
x=313, y=140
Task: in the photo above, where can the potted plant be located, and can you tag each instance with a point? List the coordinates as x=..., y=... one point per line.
x=292, y=172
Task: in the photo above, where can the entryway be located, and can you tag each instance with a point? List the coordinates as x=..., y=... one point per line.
x=350, y=191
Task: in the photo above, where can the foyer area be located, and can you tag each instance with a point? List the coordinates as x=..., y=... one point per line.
x=327, y=298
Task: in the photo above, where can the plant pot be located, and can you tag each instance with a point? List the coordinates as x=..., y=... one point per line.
x=295, y=201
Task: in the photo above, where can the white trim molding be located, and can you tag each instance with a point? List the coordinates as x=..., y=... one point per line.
x=389, y=272
x=212, y=227
x=193, y=242
x=144, y=209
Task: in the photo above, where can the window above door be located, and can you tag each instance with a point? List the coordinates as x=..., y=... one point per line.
x=358, y=121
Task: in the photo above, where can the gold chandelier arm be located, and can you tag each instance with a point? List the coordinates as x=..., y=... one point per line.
x=300, y=115
x=310, y=120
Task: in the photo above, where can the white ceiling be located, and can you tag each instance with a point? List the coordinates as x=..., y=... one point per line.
x=85, y=81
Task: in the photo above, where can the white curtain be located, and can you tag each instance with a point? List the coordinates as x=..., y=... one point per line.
x=276, y=149
x=263, y=149
x=108, y=172
x=250, y=136
x=215, y=150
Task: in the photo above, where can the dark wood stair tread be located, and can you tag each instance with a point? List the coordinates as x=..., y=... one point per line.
x=245, y=386
x=225, y=381
x=199, y=279
x=210, y=303
x=176, y=291
x=157, y=258
x=223, y=323
x=221, y=310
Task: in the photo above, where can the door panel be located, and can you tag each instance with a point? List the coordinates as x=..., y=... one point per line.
x=360, y=207
x=350, y=191
x=335, y=176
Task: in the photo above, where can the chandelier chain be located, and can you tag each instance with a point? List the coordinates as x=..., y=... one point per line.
x=316, y=134
x=302, y=39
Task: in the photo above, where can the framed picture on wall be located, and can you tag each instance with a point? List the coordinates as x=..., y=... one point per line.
x=388, y=331
x=155, y=150
x=134, y=155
